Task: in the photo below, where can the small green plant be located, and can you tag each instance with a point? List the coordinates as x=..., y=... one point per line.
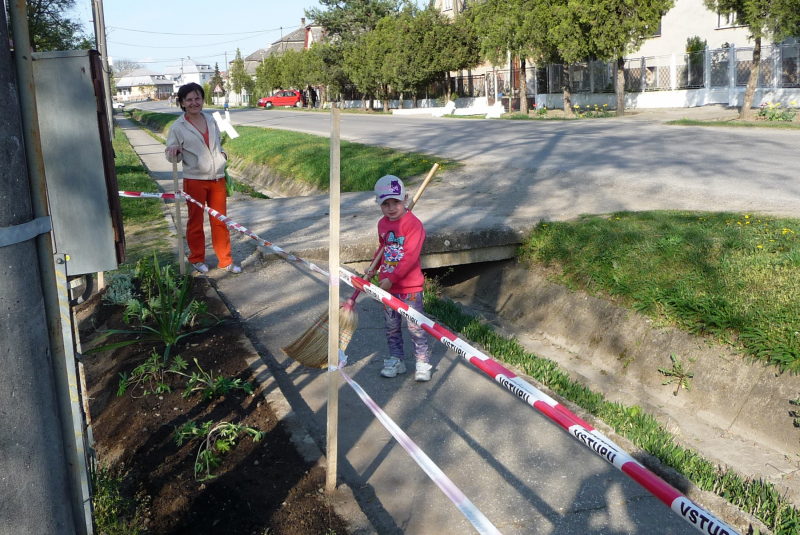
x=169, y=312
x=113, y=514
x=120, y=289
x=773, y=112
x=592, y=111
x=212, y=388
x=217, y=440
x=678, y=374
x=795, y=414
x=149, y=376
x=541, y=112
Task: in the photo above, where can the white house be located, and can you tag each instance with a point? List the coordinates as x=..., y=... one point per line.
x=141, y=84
x=188, y=70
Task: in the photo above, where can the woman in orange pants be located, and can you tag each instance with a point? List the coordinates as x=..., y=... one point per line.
x=194, y=138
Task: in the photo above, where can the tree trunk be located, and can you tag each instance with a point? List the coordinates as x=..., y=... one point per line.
x=385, y=91
x=415, y=100
x=447, y=91
x=401, y=100
x=620, y=89
x=747, y=106
x=567, y=92
x=363, y=102
x=523, y=87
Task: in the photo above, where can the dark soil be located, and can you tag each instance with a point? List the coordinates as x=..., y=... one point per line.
x=259, y=487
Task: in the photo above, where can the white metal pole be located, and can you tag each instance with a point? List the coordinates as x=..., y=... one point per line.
x=333, y=308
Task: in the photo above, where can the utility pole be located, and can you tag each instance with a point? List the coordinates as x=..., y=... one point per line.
x=228, y=73
x=100, y=39
x=39, y=494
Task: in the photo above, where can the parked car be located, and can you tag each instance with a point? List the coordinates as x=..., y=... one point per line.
x=289, y=97
x=117, y=105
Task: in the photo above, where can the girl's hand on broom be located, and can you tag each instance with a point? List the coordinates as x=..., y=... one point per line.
x=369, y=274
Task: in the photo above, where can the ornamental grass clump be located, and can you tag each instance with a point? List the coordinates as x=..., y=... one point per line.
x=163, y=316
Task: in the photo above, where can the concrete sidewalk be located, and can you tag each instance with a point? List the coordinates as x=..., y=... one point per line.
x=522, y=471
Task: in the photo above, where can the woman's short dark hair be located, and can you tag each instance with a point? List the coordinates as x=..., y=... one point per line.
x=184, y=91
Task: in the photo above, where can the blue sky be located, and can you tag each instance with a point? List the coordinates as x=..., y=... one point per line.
x=246, y=24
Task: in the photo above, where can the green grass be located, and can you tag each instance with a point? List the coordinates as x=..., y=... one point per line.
x=732, y=276
x=139, y=214
x=113, y=514
x=306, y=157
x=132, y=176
x=745, y=124
x=160, y=122
x=757, y=497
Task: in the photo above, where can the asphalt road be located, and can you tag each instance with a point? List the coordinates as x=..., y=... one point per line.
x=631, y=158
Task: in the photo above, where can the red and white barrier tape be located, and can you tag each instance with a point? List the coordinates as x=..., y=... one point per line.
x=145, y=195
x=694, y=514
x=590, y=437
x=467, y=508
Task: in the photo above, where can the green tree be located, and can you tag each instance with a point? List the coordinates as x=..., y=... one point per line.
x=776, y=19
x=216, y=80
x=504, y=27
x=359, y=71
x=50, y=28
x=239, y=77
x=268, y=75
x=378, y=49
x=457, y=47
x=348, y=19
x=327, y=69
x=292, y=70
x=617, y=28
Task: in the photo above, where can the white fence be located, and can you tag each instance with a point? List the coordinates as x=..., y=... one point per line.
x=678, y=80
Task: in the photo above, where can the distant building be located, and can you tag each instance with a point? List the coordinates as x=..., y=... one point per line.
x=300, y=39
x=141, y=84
x=186, y=71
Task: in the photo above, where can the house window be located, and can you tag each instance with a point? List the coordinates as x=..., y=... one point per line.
x=657, y=33
x=726, y=21
x=447, y=5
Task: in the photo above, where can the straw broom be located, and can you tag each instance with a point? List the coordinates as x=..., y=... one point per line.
x=311, y=349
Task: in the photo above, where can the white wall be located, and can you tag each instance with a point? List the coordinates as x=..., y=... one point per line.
x=690, y=18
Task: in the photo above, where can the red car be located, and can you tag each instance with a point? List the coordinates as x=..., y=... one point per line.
x=289, y=97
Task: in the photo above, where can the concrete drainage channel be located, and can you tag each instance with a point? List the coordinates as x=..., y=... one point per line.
x=735, y=413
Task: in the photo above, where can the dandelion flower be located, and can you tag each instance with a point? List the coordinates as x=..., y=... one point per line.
x=760, y=246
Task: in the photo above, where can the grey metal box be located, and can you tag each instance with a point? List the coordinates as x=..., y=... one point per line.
x=69, y=106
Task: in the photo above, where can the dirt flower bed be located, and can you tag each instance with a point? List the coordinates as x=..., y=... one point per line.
x=258, y=487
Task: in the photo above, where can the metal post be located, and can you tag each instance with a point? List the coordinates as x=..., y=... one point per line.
x=732, y=76
x=100, y=38
x=333, y=308
x=643, y=75
x=707, y=69
x=78, y=519
x=35, y=480
x=673, y=72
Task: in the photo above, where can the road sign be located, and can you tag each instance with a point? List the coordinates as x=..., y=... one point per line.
x=217, y=90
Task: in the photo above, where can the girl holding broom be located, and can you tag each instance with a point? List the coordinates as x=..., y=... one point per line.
x=401, y=237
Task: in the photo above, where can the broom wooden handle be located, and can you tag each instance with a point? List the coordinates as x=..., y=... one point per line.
x=413, y=202
x=422, y=186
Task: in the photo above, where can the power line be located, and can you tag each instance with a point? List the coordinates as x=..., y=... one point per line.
x=198, y=34
x=185, y=46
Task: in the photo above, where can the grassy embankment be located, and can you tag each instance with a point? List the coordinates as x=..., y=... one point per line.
x=145, y=227
x=735, y=277
x=305, y=157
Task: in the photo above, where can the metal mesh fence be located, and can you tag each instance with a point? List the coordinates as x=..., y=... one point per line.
x=719, y=61
x=790, y=65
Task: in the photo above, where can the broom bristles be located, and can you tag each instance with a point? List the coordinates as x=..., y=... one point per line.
x=311, y=348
